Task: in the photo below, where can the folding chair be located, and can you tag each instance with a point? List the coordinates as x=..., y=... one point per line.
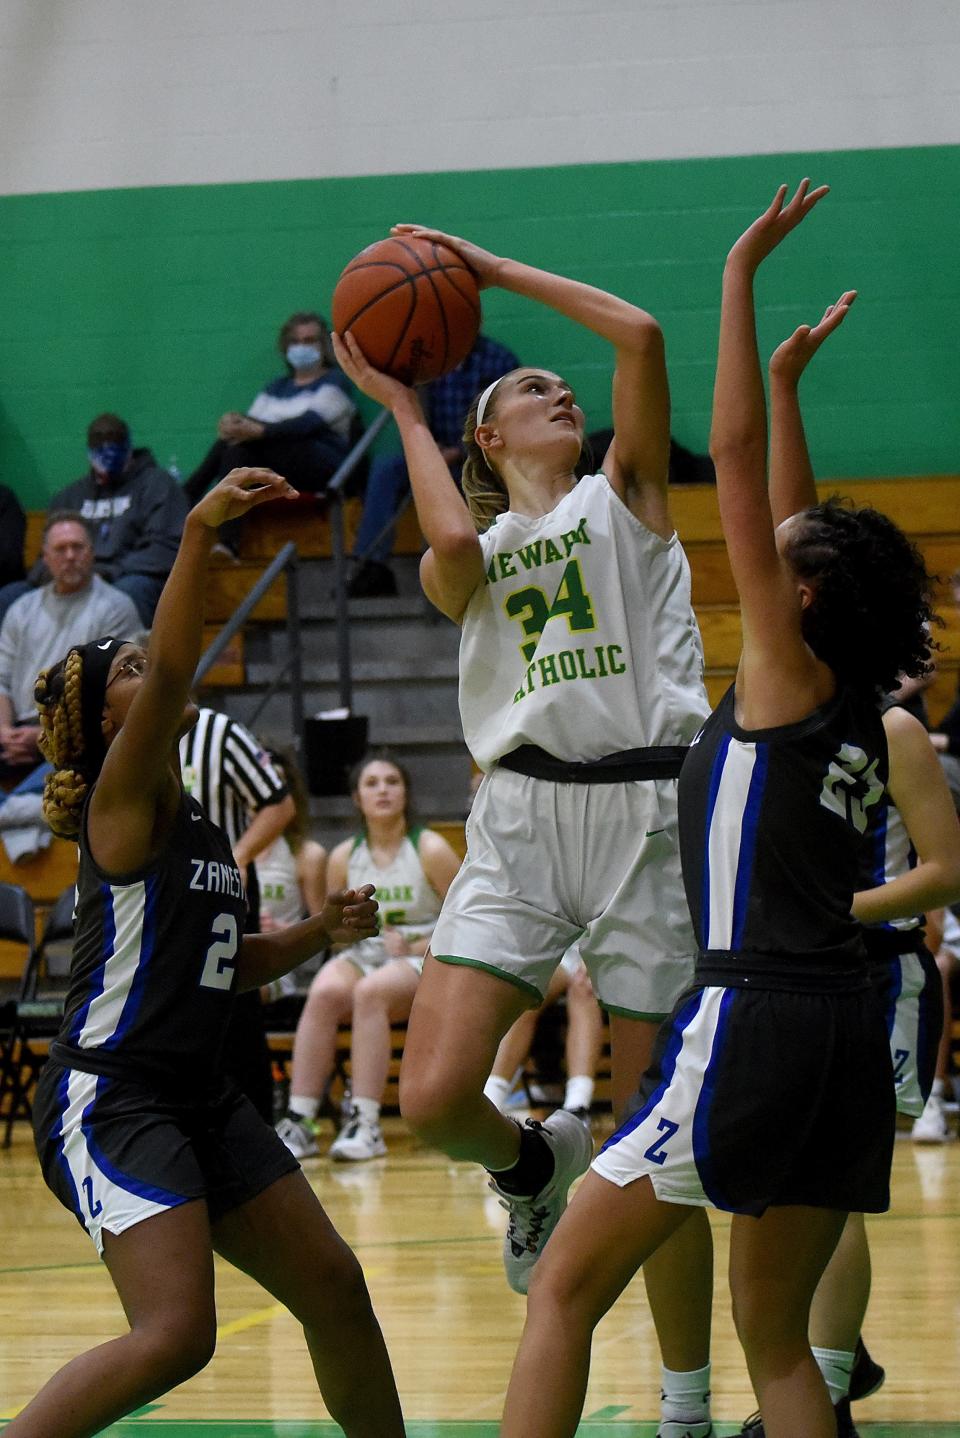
x=17, y=926
x=38, y=1008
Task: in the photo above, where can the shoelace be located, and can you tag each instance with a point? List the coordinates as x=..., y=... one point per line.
x=535, y=1219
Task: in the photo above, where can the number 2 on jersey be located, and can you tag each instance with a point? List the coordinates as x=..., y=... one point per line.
x=218, y=966
x=531, y=608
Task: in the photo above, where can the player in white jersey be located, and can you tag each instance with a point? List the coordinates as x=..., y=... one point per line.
x=292, y=874
x=370, y=984
x=581, y=685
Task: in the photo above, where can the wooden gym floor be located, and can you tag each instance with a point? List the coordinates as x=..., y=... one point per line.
x=428, y=1233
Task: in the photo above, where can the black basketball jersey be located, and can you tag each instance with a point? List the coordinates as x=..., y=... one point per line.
x=154, y=959
x=772, y=826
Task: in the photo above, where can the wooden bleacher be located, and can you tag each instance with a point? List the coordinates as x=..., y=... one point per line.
x=927, y=508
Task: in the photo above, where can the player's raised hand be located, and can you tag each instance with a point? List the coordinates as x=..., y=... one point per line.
x=790, y=359
x=238, y=492
x=483, y=263
x=373, y=382
x=349, y=915
x=776, y=222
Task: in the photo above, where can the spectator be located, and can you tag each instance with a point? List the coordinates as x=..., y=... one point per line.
x=74, y=607
x=371, y=983
x=232, y=779
x=292, y=874
x=300, y=425
x=136, y=510
x=446, y=403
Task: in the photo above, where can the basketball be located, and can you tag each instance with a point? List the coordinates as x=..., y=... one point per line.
x=412, y=306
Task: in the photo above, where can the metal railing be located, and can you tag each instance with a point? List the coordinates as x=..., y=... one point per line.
x=338, y=547
x=286, y=562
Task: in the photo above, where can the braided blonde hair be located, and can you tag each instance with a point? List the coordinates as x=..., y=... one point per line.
x=58, y=700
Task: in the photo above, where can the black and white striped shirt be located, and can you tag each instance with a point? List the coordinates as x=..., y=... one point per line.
x=228, y=773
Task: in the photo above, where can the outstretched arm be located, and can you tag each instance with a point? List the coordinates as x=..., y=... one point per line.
x=636, y=464
x=347, y=916
x=778, y=681
x=792, y=485
x=137, y=766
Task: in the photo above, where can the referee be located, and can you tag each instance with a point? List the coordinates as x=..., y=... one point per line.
x=240, y=790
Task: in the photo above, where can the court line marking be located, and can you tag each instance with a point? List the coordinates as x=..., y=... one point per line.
x=250, y=1320
x=372, y=1243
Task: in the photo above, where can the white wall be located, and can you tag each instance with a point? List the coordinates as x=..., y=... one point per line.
x=98, y=94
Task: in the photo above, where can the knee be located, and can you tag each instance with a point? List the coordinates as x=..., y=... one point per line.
x=366, y=998
x=430, y=1106
x=324, y=1005
x=338, y=1288
x=765, y=1324
x=176, y=1351
x=560, y=1297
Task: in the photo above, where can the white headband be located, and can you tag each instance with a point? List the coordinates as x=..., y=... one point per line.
x=485, y=400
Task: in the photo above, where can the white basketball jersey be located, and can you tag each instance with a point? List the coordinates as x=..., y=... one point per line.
x=280, y=895
x=407, y=900
x=583, y=639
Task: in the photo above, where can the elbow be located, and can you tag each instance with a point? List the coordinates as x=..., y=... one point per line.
x=950, y=885
x=644, y=335
x=736, y=447
x=454, y=543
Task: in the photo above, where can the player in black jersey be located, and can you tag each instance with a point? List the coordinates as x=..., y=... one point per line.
x=161, y=1160
x=771, y=1091
x=912, y=828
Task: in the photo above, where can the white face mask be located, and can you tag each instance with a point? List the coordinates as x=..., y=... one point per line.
x=303, y=356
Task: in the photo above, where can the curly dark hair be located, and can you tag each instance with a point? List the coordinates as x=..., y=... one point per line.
x=871, y=614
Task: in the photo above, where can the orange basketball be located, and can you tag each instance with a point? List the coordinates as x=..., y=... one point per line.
x=412, y=306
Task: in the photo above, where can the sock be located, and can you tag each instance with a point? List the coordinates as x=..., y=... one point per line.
x=579, y=1092
x=367, y=1109
x=835, y=1365
x=533, y=1169
x=497, y=1090
x=938, y=1088
x=685, y=1397
x=302, y=1106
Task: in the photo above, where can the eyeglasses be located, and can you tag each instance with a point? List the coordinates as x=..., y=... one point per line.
x=133, y=668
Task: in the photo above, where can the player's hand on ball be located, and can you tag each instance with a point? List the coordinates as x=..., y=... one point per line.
x=349, y=915
x=485, y=266
x=238, y=492
x=373, y=382
x=790, y=359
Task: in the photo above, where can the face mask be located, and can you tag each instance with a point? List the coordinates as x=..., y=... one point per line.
x=109, y=459
x=303, y=356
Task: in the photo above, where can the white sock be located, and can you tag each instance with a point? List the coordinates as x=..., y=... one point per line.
x=938, y=1089
x=685, y=1397
x=497, y=1090
x=579, y=1093
x=368, y=1110
x=835, y=1365
x=303, y=1106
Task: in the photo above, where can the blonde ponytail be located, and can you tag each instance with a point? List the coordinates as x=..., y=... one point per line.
x=483, y=489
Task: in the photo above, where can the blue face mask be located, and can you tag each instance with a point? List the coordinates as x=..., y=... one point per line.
x=303, y=356
x=109, y=459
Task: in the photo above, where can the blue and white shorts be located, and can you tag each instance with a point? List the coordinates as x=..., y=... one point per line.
x=116, y=1153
